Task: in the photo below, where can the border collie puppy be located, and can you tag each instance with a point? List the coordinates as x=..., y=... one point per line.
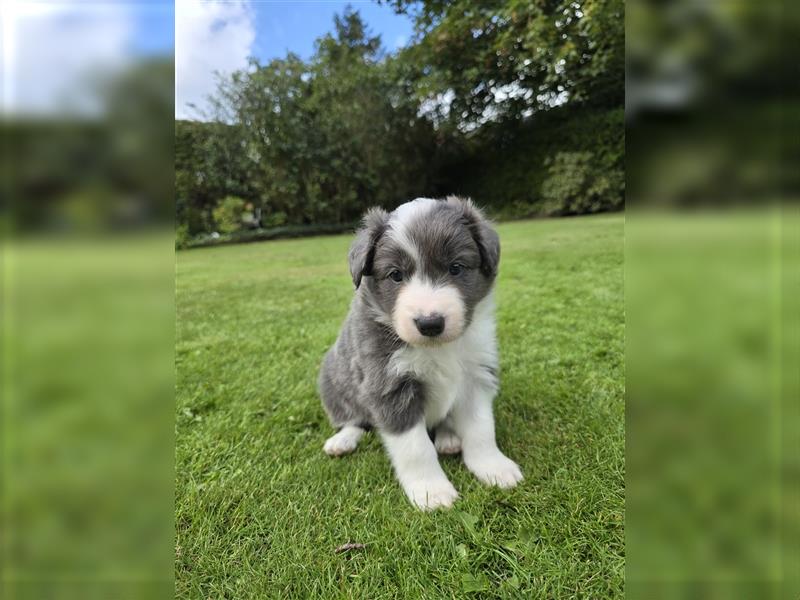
x=418, y=352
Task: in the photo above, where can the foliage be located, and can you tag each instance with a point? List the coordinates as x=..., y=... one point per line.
x=319, y=141
x=208, y=167
x=249, y=433
x=182, y=237
x=275, y=219
x=508, y=58
x=228, y=215
x=572, y=187
x=512, y=179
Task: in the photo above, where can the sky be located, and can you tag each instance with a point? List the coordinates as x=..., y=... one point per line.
x=219, y=37
x=69, y=43
x=293, y=26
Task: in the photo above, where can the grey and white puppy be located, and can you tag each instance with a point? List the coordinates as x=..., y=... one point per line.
x=418, y=349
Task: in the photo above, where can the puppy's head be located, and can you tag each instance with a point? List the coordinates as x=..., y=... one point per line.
x=425, y=266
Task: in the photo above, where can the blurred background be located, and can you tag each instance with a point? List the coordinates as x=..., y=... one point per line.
x=106, y=146
x=87, y=299
x=712, y=444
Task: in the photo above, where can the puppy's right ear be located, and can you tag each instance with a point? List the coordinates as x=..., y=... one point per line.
x=362, y=250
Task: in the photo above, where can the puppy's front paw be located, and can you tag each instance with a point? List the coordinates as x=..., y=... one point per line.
x=496, y=469
x=429, y=494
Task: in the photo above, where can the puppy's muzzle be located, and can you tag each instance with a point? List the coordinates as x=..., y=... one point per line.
x=431, y=325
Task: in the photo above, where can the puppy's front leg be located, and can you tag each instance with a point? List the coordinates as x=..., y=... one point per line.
x=473, y=422
x=417, y=467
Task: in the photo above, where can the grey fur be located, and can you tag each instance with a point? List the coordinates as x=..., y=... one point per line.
x=363, y=247
x=355, y=383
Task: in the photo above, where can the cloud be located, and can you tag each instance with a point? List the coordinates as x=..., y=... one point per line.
x=210, y=38
x=55, y=54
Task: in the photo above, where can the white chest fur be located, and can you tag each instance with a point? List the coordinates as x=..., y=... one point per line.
x=451, y=371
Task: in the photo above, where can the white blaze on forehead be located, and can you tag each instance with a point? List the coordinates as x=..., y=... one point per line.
x=402, y=217
x=408, y=211
x=419, y=298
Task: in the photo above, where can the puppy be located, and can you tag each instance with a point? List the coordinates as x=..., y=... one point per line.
x=418, y=351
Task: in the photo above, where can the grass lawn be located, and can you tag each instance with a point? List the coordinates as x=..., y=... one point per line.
x=260, y=509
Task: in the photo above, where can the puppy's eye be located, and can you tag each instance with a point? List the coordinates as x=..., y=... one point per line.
x=396, y=276
x=456, y=269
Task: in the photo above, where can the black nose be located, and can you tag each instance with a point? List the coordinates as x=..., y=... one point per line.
x=430, y=326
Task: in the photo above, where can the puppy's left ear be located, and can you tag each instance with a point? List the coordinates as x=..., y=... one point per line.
x=362, y=250
x=482, y=232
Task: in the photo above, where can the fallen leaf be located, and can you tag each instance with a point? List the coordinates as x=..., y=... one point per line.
x=349, y=546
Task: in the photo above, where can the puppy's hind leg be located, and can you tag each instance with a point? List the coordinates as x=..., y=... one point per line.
x=446, y=440
x=343, y=441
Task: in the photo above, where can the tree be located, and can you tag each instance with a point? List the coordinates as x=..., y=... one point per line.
x=324, y=140
x=209, y=164
x=504, y=60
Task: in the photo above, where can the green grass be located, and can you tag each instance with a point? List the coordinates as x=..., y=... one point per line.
x=260, y=509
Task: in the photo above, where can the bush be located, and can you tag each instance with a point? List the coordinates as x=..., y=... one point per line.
x=576, y=186
x=568, y=160
x=182, y=236
x=228, y=215
x=275, y=233
x=274, y=219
